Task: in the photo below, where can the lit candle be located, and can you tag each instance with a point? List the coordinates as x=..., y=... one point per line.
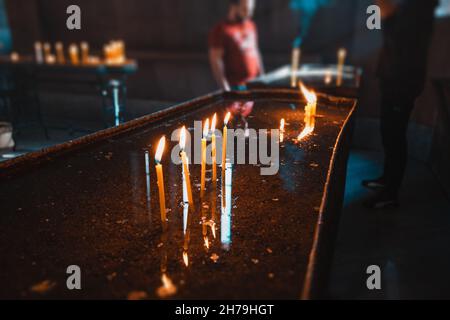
x=224, y=141
x=14, y=57
x=185, y=162
x=328, y=77
x=39, y=56
x=84, y=52
x=60, y=53
x=296, y=52
x=342, y=54
x=160, y=179
x=282, y=124
x=47, y=52
x=203, y=174
x=213, y=147
x=310, y=112
x=73, y=53
x=51, y=59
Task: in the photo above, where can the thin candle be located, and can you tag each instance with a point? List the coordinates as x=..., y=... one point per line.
x=224, y=141
x=47, y=52
x=296, y=52
x=39, y=56
x=73, y=53
x=213, y=147
x=60, y=53
x=342, y=54
x=282, y=125
x=160, y=179
x=84, y=52
x=203, y=174
x=185, y=162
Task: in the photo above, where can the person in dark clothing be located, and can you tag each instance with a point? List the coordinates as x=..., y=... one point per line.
x=407, y=30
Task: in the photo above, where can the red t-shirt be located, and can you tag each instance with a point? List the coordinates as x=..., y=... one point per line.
x=239, y=41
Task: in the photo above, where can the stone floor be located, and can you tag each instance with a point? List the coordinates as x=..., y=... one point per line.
x=411, y=244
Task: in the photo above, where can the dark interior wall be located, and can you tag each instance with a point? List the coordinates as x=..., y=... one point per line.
x=169, y=37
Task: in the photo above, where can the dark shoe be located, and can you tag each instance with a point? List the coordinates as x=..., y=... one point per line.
x=382, y=200
x=374, y=184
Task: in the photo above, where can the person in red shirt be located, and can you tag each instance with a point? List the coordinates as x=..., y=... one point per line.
x=233, y=47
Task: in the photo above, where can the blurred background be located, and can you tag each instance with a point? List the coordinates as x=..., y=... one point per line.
x=169, y=41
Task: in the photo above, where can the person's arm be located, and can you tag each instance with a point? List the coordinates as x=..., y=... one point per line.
x=218, y=67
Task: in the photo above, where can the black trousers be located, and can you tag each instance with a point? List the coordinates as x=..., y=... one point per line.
x=395, y=113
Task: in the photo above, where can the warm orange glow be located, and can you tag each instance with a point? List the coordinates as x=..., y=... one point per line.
x=185, y=258
x=282, y=123
x=310, y=96
x=213, y=228
x=310, y=112
x=167, y=289
x=213, y=123
x=206, y=241
x=206, y=129
x=342, y=53
x=227, y=118
x=160, y=149
x=328, y=77
x=183, y=138
x=306, y=132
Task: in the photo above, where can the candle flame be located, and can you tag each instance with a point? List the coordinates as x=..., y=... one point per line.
x=282, y=123
x=185, y=258
x=168, y=288
x=227, y=118
x=206, y=129
x=328, y=77
x=310, y=96
x=213, y=123
x=342, y=53
x=206, y=241
x=213, y=228
x=160, y=149
x=183, y=138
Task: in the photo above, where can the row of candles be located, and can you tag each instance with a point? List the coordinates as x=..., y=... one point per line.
x=310, y=115
x=168, y=288
x=295, y=64
x=185, y=161
x=114, y=53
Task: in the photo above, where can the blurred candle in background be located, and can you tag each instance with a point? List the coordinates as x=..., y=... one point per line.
x=296, y=53
x=47, y=52
x=73, y=54
x=38, y=54
x=342, y=54
x=84, y=52
x=14, y=57
x=59, y=48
